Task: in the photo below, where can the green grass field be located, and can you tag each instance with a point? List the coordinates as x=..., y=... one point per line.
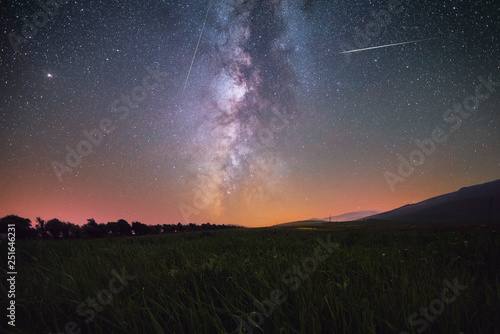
x=281, y=280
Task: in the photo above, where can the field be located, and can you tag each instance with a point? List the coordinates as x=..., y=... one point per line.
x=271, y=280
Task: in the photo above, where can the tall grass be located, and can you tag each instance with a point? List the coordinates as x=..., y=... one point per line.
x=208, y=283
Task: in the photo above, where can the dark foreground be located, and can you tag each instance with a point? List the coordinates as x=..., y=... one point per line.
x=283, y=280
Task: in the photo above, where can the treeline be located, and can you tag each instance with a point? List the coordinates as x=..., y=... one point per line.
x=57, y=229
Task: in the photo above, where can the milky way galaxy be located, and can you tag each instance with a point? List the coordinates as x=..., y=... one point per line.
x=234, y=148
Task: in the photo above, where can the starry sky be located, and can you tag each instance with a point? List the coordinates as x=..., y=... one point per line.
x=243, y=111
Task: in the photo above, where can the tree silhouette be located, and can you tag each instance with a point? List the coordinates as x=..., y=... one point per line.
x=94, y=230
x=91, y=229
x=140, y=228
x=22, y=226
x=57, y=228
x=113, y=228
x=74, y=230
x=124, y=227
x=102, y=230
x=40, y=227
x=157, y=229
x=167, y=228
x=120, y=228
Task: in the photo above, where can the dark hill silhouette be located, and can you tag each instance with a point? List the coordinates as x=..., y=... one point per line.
x=350, y=216
x=312, y=221
x=479, y=203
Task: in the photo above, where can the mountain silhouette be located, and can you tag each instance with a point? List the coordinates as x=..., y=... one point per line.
x=478, y=203
x=350, y=216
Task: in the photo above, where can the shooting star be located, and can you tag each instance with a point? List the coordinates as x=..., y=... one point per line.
x=387, y=45
x=198, y=44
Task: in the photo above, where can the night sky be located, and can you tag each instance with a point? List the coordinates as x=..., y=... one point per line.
x=243, y=112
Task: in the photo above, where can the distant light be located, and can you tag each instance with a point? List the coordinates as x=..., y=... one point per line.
x=49, y=75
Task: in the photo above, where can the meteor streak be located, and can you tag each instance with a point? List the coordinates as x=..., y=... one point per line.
x=198, y=44
x=387, y=45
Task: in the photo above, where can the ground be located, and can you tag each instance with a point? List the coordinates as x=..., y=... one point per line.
x=309, y=279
